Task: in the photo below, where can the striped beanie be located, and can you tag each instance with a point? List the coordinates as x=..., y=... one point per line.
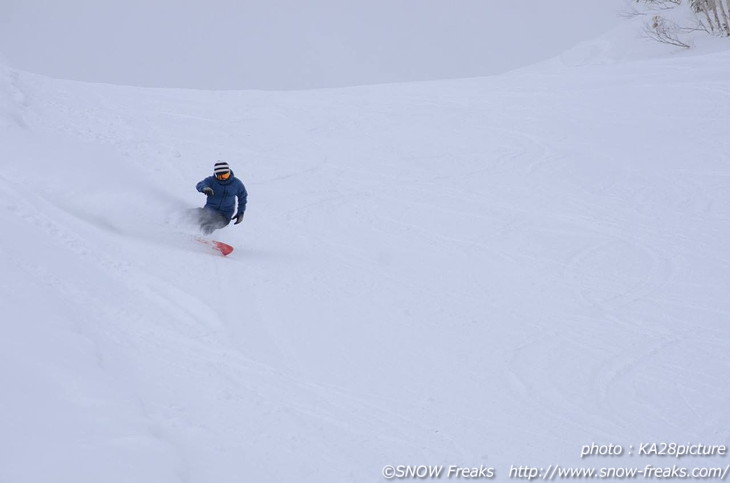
x=221, y=167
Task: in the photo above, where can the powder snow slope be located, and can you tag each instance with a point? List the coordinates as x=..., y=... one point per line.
x=490, y=271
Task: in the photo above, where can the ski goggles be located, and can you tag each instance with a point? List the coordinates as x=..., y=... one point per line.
x=225, y=175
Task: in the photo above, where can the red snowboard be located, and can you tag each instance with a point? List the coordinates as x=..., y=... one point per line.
x=223, y=248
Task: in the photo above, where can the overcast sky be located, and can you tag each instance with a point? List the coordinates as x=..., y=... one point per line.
x=288, y=44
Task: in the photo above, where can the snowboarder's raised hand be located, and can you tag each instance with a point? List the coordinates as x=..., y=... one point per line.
x=238, y=218
x=208, y=191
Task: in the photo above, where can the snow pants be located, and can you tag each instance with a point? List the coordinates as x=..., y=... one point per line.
x=211, y=220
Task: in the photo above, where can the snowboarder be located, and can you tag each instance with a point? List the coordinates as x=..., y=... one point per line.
x=221, y=189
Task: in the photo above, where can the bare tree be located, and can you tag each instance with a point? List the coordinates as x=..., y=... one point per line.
x=724, y=16
x=660, y=4
x=701, y=6
x=664, y=31
x=712, y=5
x=712, y=16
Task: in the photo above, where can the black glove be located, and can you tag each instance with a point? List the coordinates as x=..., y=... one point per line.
x=207, y=191
x=238, y=218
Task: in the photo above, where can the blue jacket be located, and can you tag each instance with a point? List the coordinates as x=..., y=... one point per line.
x=224, y=194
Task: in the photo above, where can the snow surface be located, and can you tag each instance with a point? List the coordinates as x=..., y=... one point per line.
x=629, y=41
x=488, y=271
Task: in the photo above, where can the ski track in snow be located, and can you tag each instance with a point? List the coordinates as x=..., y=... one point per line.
x=489, y=271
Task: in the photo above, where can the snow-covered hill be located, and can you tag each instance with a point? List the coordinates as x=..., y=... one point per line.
x=491, y=271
